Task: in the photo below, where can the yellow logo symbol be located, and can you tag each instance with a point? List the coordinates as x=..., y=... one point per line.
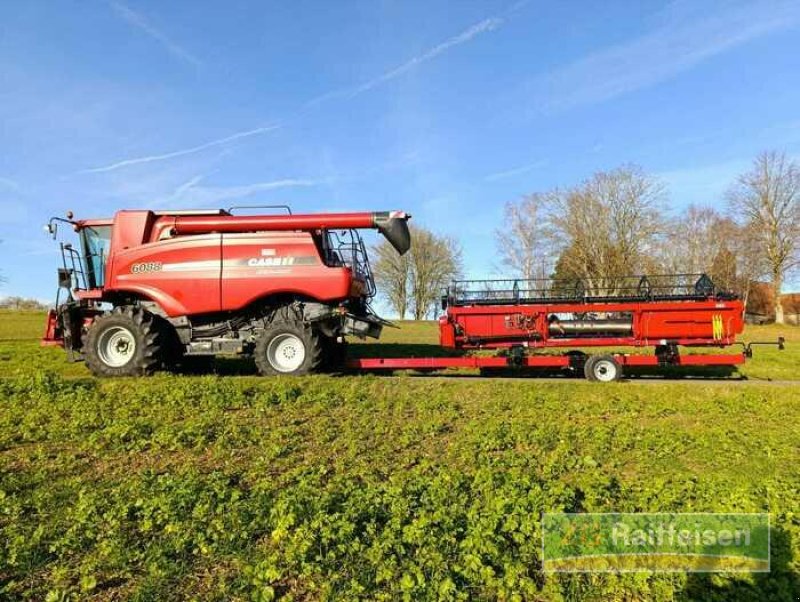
x=717, y=327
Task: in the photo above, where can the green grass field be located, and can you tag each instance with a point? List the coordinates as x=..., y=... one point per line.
x=369, y=487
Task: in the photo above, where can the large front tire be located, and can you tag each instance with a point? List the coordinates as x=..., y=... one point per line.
x=289, y=348
x=126, y=342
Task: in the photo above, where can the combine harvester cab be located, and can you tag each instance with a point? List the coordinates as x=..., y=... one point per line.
x=547, y=324
x=153, y=289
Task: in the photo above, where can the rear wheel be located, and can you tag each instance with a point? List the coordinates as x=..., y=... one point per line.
x=602, y=368
x=288, y=347
x=126, y=342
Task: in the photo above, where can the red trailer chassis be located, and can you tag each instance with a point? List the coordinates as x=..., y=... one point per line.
x=534, y=361
x=524, y=317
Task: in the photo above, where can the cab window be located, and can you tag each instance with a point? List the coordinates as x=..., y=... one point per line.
x=96, y=241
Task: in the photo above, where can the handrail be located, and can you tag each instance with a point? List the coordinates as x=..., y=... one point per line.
x=652, y=287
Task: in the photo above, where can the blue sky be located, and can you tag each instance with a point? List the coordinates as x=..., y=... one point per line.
x=444, y=109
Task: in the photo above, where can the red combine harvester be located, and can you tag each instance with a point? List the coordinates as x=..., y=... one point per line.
x=149, y=290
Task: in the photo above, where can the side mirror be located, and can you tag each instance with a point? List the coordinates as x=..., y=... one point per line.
x=51, y=228
x=65, y=278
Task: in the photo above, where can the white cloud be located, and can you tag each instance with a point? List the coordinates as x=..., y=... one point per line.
x=186, y=186
x=470, y=33
x=182, y=152
x=177, y=196
x=663, y=53
x=206, y=196
x=138, y=21
x=9, y=183
x=515, y=171
x=462, y=38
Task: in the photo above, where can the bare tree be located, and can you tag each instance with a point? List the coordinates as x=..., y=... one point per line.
x=702, y=240
x=608, y=226
x=393, y=276
x=525, y=241
x=416, y=281
x=435, y=261
x=694, y=239
x=766, y=201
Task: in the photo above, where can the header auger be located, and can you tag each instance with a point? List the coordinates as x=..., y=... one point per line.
x=150, y=290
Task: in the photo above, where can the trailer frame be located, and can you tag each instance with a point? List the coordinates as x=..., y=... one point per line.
x=534, y=361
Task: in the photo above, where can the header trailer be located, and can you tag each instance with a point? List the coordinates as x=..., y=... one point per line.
x=527, y=320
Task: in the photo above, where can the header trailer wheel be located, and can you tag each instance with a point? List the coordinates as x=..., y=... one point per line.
x=602, y=368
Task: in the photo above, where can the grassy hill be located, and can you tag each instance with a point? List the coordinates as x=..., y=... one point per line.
x=367, y=487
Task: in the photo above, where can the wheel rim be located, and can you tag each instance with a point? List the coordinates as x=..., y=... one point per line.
x=116, y=346
x=605, y=370
x=286, y=352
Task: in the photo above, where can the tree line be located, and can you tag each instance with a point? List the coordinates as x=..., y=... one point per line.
x=617, y=223
x=22, y=304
